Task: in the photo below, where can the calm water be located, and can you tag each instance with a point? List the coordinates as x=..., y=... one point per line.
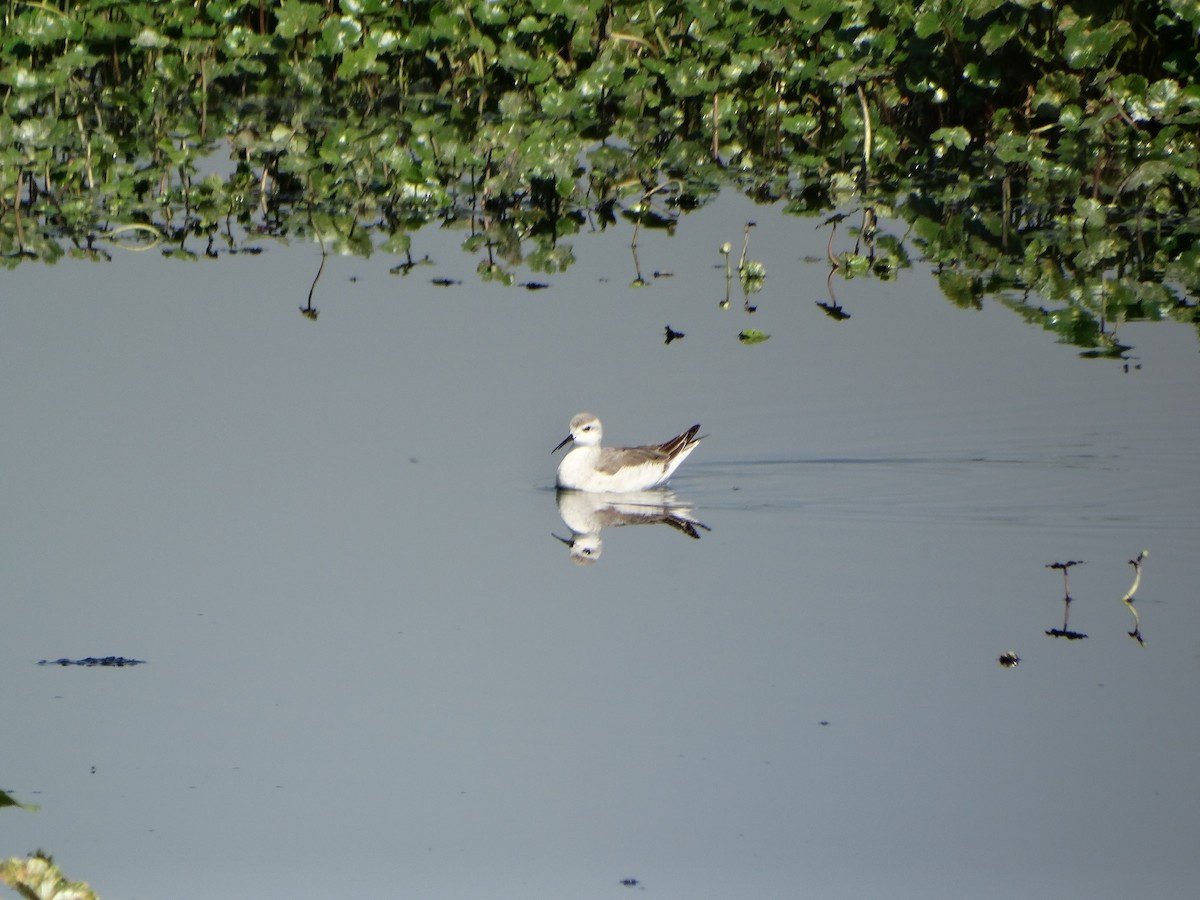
x=372, y=668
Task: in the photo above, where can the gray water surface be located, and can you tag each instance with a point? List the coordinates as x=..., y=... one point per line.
x=370, y=667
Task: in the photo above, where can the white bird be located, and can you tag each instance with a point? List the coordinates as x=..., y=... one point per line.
x=590, y=467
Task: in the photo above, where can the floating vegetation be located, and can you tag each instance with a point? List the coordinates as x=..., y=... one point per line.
x=36, y=876
x=1009, y=659
x=1136, y=562
x=752, y=336
x=309, y=311
x=113, y=661
x=725, y=250
x=7, y=799
x=1058, y=169
x=751, y=272
x=1066, y=632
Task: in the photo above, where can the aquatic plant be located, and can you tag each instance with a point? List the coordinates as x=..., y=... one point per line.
x=37, y=877
x=1030, y=149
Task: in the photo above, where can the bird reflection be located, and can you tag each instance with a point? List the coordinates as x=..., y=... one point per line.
x=587, y=513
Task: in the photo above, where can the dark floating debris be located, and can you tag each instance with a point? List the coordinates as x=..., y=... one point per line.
x=444, y=282
x=834, y=311
x=673, y=335
x=1009, y=659
x=1065, y=631
x=630, y=882
x=409, y=264
x=114, y=661
x=1136, y=634
x=534, y=285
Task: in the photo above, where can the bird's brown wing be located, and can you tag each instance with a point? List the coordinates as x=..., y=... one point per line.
x=613, y=459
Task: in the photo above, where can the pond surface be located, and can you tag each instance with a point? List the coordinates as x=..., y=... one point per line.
x=371, y=667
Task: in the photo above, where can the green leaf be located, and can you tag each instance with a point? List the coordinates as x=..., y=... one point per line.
x=752, y=336
x=690, y=79
x=1148, y=174
x=957, y=137
x=798, y=124
x=358, y=61
x=1086, y=47
x=1163, y=98
x=295, y=17
x=149, y=39
x=1054, y=91
x=999, y=34
x=7, y=800
x=928, y=23
x=340, y=34
x=961, y=288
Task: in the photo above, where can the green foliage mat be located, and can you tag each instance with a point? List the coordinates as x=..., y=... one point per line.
x=1030, y=147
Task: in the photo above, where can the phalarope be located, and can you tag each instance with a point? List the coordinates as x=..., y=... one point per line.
x=590, y=467
x=586, y=514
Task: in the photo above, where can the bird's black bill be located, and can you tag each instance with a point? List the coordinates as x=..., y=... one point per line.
x=563, y=443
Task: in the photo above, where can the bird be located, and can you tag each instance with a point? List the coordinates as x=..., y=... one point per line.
x=595, y=469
